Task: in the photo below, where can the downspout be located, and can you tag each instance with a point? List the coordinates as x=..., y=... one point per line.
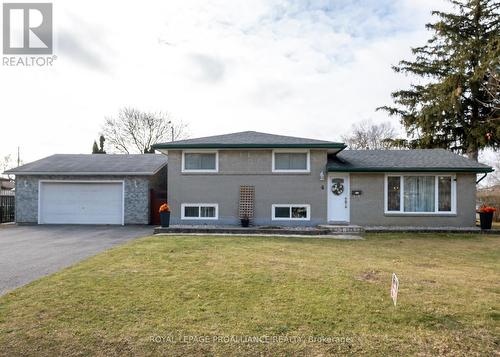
x=482, y=178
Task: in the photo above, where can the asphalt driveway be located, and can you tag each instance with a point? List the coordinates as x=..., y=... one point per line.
x=30, y=252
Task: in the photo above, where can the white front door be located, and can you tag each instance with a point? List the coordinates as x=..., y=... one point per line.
x=338, y=198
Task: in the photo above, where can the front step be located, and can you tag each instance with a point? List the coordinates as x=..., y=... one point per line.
x=336, y=229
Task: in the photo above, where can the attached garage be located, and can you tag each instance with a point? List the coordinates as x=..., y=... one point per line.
x=89, y=189
x=76, y=202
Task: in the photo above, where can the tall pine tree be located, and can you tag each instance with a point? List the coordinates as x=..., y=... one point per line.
x=95, y=148
x=451, y=106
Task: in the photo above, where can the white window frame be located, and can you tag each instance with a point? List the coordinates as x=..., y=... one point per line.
x=436, y=194
x=199, y=205
x=292, y=151
x=184, y=152
x=274, y=218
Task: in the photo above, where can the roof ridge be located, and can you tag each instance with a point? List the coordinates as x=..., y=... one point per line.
x=249, y=139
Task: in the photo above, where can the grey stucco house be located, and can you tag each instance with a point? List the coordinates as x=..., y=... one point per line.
x=88, y=189
x=282, y=180
x=271, y=179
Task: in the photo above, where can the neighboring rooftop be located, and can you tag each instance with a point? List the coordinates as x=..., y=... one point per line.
x=95, y=164
x=249, y=139
x=6, y=184
x=428, y=160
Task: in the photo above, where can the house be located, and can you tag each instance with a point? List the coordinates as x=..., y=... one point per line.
x=282, y=180
x=6, y=187
x=88, y=189
x=271, y=179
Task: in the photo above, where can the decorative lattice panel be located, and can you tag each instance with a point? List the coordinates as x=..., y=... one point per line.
x=247, y=201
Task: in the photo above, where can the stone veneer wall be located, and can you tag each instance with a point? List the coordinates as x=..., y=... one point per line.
x=136, y=196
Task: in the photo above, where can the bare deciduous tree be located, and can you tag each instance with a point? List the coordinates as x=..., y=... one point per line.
x=367, y=135
x=134, y=131
x=6, y=163
x=493, y=178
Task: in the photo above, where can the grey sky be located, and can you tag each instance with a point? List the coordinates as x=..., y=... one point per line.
x=302, y=68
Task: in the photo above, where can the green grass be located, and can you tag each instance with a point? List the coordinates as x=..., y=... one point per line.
x=169, y=287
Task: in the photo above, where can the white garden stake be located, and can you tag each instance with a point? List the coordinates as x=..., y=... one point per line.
x=394, y=288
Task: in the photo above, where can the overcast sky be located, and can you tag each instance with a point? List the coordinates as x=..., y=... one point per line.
x=302, y=68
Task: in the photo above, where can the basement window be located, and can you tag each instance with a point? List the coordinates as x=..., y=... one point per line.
x=291, y=212
x=199, y=211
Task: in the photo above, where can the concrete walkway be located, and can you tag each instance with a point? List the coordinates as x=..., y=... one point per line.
x=324, y=236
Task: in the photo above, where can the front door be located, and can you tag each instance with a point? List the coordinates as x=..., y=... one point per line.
x=338, y=198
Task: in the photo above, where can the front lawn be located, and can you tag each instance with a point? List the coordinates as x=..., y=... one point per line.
x=271, y=296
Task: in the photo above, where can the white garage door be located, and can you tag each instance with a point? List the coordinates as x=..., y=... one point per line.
x=81, y=203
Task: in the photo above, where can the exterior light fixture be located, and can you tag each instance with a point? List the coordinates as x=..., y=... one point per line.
x=322, y=176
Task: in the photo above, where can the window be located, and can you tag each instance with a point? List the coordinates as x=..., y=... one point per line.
x=420, y=194
x=393, y=193
x=291, y=161
x=200, y=161
x=444, y=189
x=199, y=211
x=296, y=212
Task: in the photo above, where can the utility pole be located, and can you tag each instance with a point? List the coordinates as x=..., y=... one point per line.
x=171, y=128
x=18, y=158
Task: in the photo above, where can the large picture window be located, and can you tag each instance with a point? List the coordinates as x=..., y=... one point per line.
x=200, y=162
x=420, y=194
x=284, y=161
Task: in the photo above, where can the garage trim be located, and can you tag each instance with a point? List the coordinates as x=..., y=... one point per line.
x=82, y=181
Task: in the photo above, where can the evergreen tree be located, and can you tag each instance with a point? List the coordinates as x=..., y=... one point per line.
x=99, y=149
x=451, y=106
x=95, y=148
x=101, y=144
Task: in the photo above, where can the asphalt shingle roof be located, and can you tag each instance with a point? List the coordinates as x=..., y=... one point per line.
x=97, y=164
x=248, y=139
x=403, y=160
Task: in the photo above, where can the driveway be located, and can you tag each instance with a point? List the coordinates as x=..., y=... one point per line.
x=30, y=252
